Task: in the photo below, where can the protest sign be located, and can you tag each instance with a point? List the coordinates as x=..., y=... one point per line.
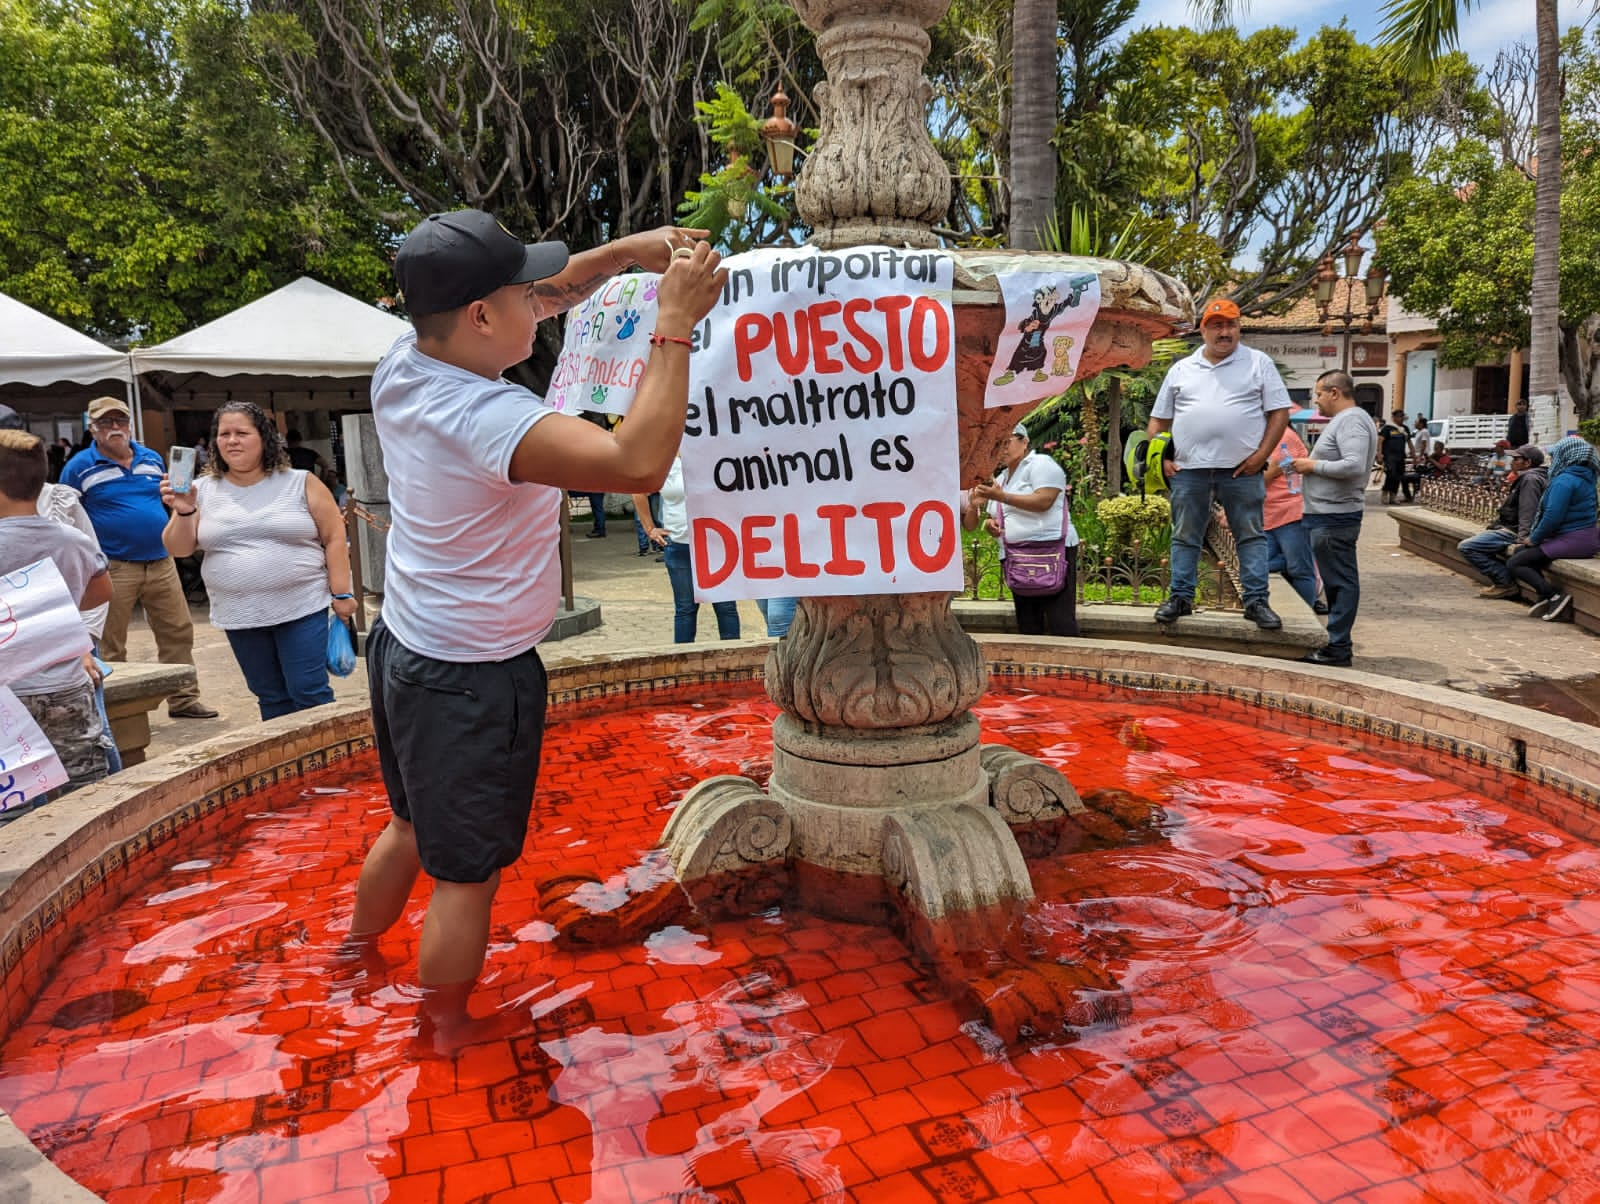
x=820, y=451
x=29, y=767
x=606, y=346
x=1048, y=315
x=39, y=621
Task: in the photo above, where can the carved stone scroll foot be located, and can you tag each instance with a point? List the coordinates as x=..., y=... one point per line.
x=1024, y=790
x=953, y=859
x=725, y=825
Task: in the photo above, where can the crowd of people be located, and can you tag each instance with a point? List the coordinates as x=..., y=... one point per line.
x=276, y=562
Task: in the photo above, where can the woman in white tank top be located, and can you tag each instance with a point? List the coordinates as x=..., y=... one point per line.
x=275, y=557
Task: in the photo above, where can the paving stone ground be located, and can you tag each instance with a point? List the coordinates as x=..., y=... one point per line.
x=1418, y=622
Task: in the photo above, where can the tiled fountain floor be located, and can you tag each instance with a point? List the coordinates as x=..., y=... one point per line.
x=1336, y=977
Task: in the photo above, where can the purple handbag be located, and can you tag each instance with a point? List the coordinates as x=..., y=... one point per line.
x=1036, y=568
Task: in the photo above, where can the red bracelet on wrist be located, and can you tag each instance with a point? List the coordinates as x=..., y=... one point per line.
x=659, y=340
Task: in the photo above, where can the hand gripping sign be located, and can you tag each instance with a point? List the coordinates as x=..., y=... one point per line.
x=820, y=451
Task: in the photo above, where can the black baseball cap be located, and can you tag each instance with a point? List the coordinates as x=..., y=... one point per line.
x=453, y=259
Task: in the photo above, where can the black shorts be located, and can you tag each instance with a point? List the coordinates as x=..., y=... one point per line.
x=458, y=745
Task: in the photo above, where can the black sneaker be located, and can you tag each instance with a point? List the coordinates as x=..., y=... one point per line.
x=1319, y=607
x=1538, y=609
x=1559, y=605
x=1174, y=609
x=1263, y=616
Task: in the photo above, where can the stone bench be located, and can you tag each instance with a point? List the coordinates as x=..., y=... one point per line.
x=1218, y=630
x=133, y=690
x=1434, y=536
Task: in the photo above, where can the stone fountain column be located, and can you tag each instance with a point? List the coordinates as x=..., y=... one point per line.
x=881, y=795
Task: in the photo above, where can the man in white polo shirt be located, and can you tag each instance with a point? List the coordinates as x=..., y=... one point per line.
x=1227, y=409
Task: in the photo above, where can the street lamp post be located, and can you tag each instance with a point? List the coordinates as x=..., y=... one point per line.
x=1375, y=283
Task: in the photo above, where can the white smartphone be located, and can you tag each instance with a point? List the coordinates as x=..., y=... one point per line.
x=180, y=469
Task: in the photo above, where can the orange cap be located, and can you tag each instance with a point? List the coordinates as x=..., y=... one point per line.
x=1219, y=308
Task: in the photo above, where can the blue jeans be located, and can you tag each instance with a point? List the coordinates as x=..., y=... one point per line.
x=1289, y=553
x=779, y=613
x=685, y=610
x=655, y=520
x=285, y=665
x=597, y=503
x=1333, y=539
x=1482, y=550
x=1241, y=497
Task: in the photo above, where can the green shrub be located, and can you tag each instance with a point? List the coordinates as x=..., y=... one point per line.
x=1128, y=518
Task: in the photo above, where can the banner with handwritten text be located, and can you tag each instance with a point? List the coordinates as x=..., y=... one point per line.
x=606, y=346
x=1048, y=315
x=29, y=767
x=820, y=452
x=39, y=621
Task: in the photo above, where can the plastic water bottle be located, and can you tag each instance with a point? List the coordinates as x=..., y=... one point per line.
x=1285, y=459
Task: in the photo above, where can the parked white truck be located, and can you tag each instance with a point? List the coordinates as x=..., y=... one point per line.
x=1469, y=432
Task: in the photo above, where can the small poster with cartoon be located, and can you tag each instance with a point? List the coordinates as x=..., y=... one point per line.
x=606, y=347
x=1048, y=315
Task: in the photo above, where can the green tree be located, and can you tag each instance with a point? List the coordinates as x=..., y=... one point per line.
x=1460, y=241
x=148, y=181
x=1418, y=32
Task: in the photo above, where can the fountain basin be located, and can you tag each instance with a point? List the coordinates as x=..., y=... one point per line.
x=78, y=859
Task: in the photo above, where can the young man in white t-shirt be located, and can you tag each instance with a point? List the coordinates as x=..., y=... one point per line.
x=476, y=470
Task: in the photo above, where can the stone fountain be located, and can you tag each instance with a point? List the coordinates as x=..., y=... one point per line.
x=882, y=798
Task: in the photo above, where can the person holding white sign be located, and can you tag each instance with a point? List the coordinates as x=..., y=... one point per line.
x=60, y=697
x=476, y=470
x=672, y=537
x=1028, y=510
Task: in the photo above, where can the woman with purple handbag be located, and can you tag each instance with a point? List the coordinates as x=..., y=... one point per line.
x=1038, y=545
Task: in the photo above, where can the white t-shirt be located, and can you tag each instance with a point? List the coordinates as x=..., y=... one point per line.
x=473, y=572
x=1035, y=471
x=674, y=514
x=1219, y=411
x=264, y=561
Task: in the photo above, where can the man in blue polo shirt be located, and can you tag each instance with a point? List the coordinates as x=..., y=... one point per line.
x=1227, y=409
x=120, y=481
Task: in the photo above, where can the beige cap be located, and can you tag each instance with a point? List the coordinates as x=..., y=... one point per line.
x=101, y=406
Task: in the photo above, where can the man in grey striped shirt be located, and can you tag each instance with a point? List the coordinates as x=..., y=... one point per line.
x=1335, y=493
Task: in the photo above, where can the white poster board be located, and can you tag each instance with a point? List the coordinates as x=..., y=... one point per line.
x=820, y=453
x=29, y=767
x=606, y=346
x=39, y=621
x=1048, y=315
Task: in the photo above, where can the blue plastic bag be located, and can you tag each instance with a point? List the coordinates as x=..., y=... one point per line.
x=341, y=652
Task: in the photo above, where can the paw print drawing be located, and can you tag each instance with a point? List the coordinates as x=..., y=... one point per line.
x=627, y=323
x=598, y=397
x=650, y=290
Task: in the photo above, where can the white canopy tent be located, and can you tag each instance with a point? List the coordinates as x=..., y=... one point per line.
x=304, y=329
x=36, y=351
x=303, y=346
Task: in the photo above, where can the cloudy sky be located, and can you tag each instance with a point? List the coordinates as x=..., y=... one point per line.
x=1484, y=31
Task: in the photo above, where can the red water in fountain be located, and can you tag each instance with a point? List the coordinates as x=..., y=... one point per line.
x=1338, y=978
